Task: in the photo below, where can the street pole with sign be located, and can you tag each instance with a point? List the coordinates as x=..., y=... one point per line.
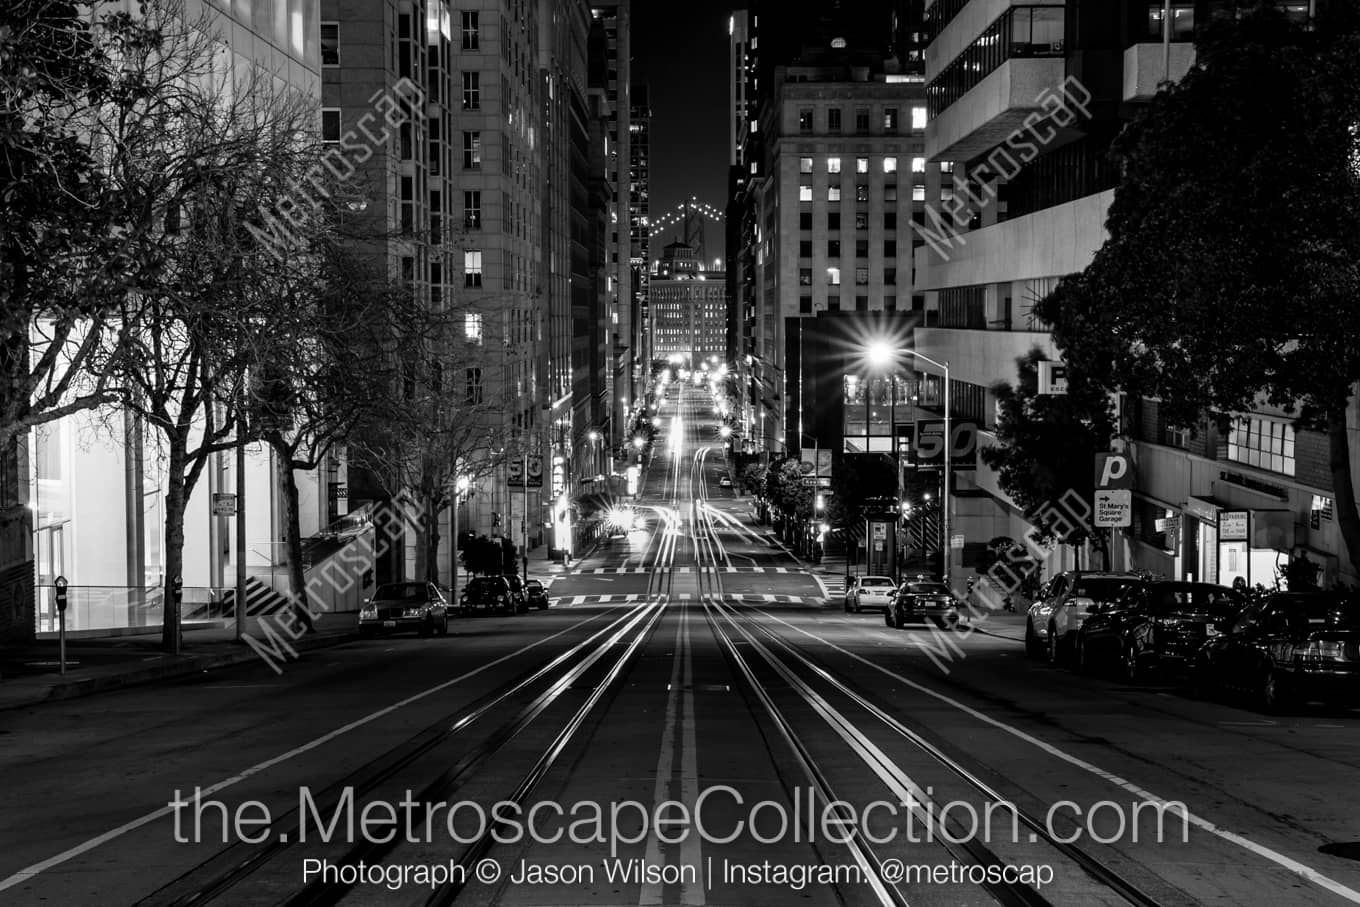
x=524, y=517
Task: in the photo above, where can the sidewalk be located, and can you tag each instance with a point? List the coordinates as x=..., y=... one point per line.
x=29, y=673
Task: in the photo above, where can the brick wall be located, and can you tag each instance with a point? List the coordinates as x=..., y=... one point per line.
x=1310, y=459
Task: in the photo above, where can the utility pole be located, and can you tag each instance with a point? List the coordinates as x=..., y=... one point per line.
x=524, y=515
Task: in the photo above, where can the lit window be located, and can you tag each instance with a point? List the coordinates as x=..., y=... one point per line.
x=918, y=118
x=805, y=165
x=472, y=150
x=472, y=269
x=890, y=119
x=890, y=165
x=805, y=193
x=918, y=165
x=918, y=193
x=833, y=193
x=472, y=327
x=861, y=165
x=1263, y=443
x=833, y=165
x=833, y=276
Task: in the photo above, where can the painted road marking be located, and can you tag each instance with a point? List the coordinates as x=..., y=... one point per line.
x=1274, y=856
x=29, y=872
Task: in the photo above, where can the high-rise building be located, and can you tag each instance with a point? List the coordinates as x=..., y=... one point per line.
x=689, y=308
x=626, y=369
x=639, y=213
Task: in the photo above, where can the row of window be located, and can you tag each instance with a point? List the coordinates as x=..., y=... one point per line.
x=833, y=276
x=889, y=193
x=833, y=304
x=833, y=248
x=1021, y=31
x=470, y=29
x=833, y=165
x=807, y=120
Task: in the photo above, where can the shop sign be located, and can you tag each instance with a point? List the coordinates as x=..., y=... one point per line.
x=1234, y=526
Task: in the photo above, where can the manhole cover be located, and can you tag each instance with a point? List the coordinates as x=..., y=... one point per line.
x=1347, y=850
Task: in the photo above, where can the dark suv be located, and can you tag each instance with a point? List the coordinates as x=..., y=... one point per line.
x=1289, y=647
x=488, y=593
x=1155, y=623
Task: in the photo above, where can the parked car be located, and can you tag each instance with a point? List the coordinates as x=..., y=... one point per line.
x=725, y=482
x=1155, y=623
x=487, y=594
x=869, y=592
x=1063, y=606
x=921, y=601
x=404, y=608
x=1287, y=648
x=537, y=595
x=518, y=593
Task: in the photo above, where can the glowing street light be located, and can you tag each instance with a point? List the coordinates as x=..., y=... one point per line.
x=725, y=431
x=656, y=422
x=639, y=442
x=594, y=436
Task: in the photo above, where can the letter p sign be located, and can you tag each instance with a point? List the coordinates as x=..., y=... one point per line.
x=1113, y=471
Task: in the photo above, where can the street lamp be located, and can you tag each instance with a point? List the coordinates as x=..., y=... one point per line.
x=884, y=355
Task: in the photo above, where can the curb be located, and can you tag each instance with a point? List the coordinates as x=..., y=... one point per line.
x=185, y=665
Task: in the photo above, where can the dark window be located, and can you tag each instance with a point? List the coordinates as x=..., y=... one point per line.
x=890, y=276
x=861, y=220
x=805, y=220
x=861, y=248
x=833, y=303
x=805, y=305
x=861, y=303
x=833, y=220
x=805, y=119
x=330, y=43
x=833, y=119
x=833, y=248
x=472, y=91
x=805, y=277
x=470, y=30
x=889, y=248
x=890, y=119
x=861, y=119
x=805, y=248
x=473, y=395
x=330, y=124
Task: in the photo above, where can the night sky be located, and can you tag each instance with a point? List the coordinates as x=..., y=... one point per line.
x=680, y=53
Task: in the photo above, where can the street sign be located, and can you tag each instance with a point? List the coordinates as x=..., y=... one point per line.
x=1114, y=508
x=1234, y=525
x=1113, y=470
x=224, y=504
x=1052, y=379
x=956, y=541
x=535, y=471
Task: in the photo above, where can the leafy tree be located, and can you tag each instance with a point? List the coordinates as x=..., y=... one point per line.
x=1232, y=268
x=856, y=479
x=753, y=478
x=1047, y=448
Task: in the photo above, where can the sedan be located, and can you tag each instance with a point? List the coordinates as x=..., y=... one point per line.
x=869, y=592
x=405, y=608
x=923, y=601
x=1155, y=623
x=1289, y=647
x=488, y=593
x=536, y=594
x=725, y=482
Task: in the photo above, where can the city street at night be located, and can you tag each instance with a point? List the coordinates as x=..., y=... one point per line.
x=691, y=661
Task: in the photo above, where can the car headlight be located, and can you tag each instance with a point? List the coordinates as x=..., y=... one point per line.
x=368, y=614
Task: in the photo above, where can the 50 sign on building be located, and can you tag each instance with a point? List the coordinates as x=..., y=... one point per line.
x=929, y=448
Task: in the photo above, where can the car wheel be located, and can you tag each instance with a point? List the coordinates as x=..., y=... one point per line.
x=1055, y=647
x=1034, y=646
x=889, y=618
x=1274, y=694
x=856, y=608
x=1133, y=671
x=444, y=625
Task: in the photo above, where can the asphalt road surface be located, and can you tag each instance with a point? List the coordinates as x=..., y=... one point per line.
x=693, y=722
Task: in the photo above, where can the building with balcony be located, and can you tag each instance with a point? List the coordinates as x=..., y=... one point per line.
x=1023, y=101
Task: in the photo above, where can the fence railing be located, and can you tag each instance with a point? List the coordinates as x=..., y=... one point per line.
x=127, y=607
